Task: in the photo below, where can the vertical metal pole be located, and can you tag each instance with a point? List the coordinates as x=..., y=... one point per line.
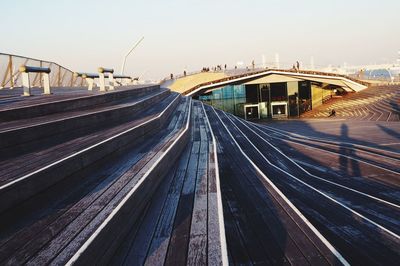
x=41, y=75
x=62, y=76
x=8, y=70
x=72, y=80
x=59, y=76
x=11, y=72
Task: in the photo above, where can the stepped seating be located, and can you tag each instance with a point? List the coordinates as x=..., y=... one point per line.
x=27, y=134
x=135, y=180
x=69, y=99
x=85, y=177
x=181, y=223
x=88, y=201
x=35, y=170
x=374, y=104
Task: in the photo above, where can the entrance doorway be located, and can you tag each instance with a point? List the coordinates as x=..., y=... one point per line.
x=279, y=109
x=251, y=111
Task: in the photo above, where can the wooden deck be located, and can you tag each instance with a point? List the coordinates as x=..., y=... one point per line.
x=65, y=225
x=350, y=215
x=377, y=103
x=261, y=227
x=178, y=226
x=146, y=176
x=19, y=107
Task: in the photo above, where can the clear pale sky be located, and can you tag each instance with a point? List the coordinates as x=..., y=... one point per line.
x=83, y=35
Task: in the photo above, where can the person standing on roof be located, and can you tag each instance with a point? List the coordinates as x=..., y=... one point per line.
x=298, y=65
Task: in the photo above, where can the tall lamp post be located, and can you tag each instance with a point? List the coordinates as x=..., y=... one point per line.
x=130, y=51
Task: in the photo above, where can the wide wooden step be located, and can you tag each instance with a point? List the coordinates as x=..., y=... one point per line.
x=86, y=221
x=25, y=135
x=24, y=176
x=28, y=107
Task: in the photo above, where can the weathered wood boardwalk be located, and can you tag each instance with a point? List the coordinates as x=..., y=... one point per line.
x=142, y=175
x=182, y=223
x=360, y=219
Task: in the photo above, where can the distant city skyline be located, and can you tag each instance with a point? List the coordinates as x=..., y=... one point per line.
x=187, y=35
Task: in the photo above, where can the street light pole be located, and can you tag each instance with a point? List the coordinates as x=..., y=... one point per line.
x=130, y=51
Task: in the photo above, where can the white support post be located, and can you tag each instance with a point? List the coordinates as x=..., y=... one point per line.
x=46, y=83
x=26, y=84
x=90, y=82
x=102, y=82
x=111, y=81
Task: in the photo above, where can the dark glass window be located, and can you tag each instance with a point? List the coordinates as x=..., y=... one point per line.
x=304, y=90
x=278, y=91
x=251, y=93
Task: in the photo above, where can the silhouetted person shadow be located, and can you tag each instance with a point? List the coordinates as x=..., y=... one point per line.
x=389, y=131
x=347, y=166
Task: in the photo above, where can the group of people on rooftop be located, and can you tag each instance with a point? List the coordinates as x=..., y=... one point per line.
x=216, y=68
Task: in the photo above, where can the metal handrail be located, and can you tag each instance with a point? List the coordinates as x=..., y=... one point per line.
x=10, y=76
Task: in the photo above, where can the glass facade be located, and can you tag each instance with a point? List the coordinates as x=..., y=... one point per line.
x=228, y=98
x=266, y=100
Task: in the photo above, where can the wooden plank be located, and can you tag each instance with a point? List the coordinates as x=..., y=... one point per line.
x=286, y=231
x=96, y=153
x=81, y=111
x=215, y=234
x=281, y=227
x=178, y=246
x=238, y=253
x=146, y=189
x=62, y=204
x=304, y=199
x=43, y=105
x=197, y=250
x=54, y=230
x=141, y=243
x=140, y=234
x=17, y=166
